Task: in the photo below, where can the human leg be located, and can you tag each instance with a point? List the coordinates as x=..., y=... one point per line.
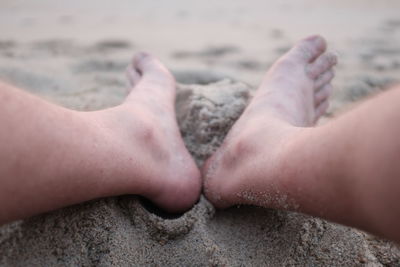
x=344, y=171
x=52, y=157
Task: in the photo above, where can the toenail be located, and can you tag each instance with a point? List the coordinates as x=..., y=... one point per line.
x=141, y=56
x=319, y=42
x=317, y=38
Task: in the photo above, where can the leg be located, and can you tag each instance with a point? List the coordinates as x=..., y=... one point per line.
x=346, y=171
x=53, y=157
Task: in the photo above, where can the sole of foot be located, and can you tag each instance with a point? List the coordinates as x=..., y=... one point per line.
x=152, y=159
x=293, y=94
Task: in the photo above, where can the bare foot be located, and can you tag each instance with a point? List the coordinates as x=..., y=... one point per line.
x=294, y=94
x=154, y=161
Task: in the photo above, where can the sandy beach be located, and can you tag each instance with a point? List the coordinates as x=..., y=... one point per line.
x=74, y=53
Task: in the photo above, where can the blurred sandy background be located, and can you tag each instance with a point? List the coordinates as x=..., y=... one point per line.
x=240, y=38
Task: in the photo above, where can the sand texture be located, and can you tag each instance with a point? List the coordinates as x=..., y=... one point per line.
x=128, y=231
x=75, y=55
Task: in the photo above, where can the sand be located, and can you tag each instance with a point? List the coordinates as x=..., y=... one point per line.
x=75, y=55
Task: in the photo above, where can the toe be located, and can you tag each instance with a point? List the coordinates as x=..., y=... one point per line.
x=321, y=109
x=309, y=48
x=132, y=75
x=155, y=83
x=323, y=94
x=322, y=64
x=324, y=78
x=152, y=69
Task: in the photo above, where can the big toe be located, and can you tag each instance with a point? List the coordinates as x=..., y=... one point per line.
x=309, y=49
x=152, y=70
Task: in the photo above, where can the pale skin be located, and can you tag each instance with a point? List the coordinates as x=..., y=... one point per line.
x=52, y=157
x=273, y=157
x=346, y=171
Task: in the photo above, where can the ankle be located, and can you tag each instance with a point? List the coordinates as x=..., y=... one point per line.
x=284, y=179
x=106, y=153
x=264, y=182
